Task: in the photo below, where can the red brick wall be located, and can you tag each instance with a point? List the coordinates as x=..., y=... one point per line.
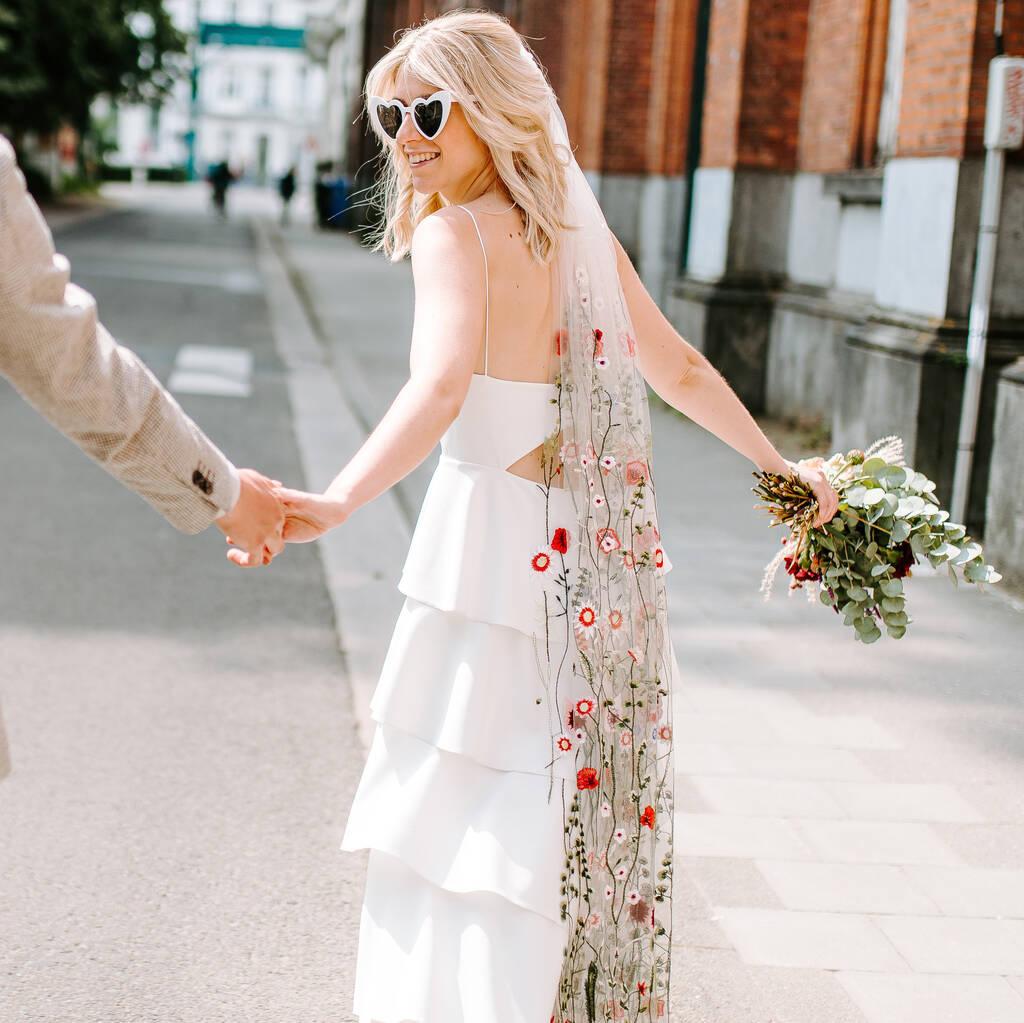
x=835, y=66
x=752, y=100
x=936, y=77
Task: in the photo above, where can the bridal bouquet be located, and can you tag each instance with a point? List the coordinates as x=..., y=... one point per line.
x=856, y=562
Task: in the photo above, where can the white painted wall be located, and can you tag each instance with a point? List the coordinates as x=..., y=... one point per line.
x=712, y=214
x=860, y=230
x=813, y=232
x=918, y=207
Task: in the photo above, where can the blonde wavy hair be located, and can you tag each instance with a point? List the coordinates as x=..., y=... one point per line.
x=478, y=56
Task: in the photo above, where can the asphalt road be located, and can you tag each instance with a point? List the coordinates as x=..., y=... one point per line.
x=182, y=733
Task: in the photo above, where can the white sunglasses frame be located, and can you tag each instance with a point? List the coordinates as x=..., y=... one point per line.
x=443, y=96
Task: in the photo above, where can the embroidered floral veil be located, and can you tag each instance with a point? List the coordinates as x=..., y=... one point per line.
x=607, y=657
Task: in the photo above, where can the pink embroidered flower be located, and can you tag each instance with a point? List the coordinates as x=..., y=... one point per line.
x=647, y=817
x=587, y=617
x=628, y=560
x=626, y=738
x=541, y=561
x=568, y=452
x=638, y=657
x=608, y=540
x=594, y=920
x=580, y=735
x=665, y=732
x=608, y=463
x=560, y=541
x=606, y=809
x=621, y=872
x=586, y=778
x=628, y=343
x=599, y=501
x=601, y=362
x=636, y=472
x=615, y=618
x=609, y=891
x=619, y=834
x=564, y=743
x=584, y=706
x=633, y=897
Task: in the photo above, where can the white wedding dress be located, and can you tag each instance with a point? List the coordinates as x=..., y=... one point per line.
x=460, y=920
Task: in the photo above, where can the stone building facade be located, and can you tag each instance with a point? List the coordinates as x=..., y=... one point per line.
x=798, y=183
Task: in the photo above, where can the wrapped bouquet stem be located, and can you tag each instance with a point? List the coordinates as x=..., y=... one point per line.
x=888, y=519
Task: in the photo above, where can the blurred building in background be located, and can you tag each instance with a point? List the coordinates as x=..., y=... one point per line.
x=253, y=96
x=798, y=183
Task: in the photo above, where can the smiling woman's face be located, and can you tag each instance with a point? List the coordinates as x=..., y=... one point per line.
x=448, y=164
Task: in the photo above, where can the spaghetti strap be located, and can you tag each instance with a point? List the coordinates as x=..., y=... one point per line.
x=487, y=286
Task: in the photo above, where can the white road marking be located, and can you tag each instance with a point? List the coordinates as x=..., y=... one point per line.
x=212, y=369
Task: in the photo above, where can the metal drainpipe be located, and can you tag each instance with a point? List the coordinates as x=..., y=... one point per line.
x=981, y=300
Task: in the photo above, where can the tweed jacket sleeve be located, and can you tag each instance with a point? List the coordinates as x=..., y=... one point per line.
x=96, y=392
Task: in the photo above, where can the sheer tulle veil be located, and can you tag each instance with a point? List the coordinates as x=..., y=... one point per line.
x=606, y=658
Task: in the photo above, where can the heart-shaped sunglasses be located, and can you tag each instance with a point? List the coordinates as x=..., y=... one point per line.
x=429, y=114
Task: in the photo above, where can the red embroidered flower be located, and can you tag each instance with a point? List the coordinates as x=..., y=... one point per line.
x=541, y=560
x=659, y=557
x=598, y=342
x=560, y=541
x=615, y=619
x=647, y=817
x=560, y=336
x=587, y=617
x=641, y=986
x=564, y=744
x=586, y=778
x=636, y=472
x=584, y=706
x=608, y=540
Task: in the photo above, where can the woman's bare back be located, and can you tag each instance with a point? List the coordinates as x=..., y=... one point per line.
x=521, y=322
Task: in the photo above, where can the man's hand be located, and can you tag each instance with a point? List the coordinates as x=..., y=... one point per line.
x=255, y=523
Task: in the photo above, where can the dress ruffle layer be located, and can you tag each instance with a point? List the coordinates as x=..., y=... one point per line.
x=464, y=820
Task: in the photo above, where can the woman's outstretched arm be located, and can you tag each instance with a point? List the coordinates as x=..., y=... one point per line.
x=688, y=382
x=447, y=329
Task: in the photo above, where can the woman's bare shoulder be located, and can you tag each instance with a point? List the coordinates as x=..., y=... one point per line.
x=445, y=237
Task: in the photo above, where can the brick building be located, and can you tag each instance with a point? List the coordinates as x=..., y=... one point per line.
x=798, y=183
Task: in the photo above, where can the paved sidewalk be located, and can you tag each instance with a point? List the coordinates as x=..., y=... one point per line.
x=850, y=819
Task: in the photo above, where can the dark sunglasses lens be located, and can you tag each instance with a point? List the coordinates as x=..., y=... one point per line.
x=428, y=117
x=390, y=118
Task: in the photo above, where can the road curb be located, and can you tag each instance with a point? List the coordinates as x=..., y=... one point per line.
x=363, y=559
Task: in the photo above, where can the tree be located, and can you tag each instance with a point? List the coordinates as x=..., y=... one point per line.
x=57, y=56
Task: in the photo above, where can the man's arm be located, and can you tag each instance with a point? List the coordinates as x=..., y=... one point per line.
x=96, y=392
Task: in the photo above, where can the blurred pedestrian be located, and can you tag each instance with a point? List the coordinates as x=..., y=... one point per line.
x=221, y=179
x=286, y=189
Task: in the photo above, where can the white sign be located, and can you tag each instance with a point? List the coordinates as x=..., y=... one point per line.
x=1004, y=113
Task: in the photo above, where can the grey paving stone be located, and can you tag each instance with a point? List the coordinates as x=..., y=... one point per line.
x=971, y=891
x=713, y=834
x=875, y=842
x=985, y=845
x=730, y=881
x=706, y=758
x=848, y=731
x=957, y=944
x=726, y=729
x=933, y=998
x=712, y=985
x=904, y=801
x=812, y=763
x=805, y=996
x=845, y=887
x=826, y=941
x=766, y=797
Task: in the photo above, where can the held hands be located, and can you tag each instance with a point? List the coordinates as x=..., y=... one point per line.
x=256, y=522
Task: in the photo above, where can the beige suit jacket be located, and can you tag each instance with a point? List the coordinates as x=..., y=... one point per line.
x=96, y=392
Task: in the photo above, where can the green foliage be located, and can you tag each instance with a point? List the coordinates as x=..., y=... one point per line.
x=58, y=56
x=888, y=519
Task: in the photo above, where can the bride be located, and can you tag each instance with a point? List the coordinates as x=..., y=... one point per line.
x=516, y=800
